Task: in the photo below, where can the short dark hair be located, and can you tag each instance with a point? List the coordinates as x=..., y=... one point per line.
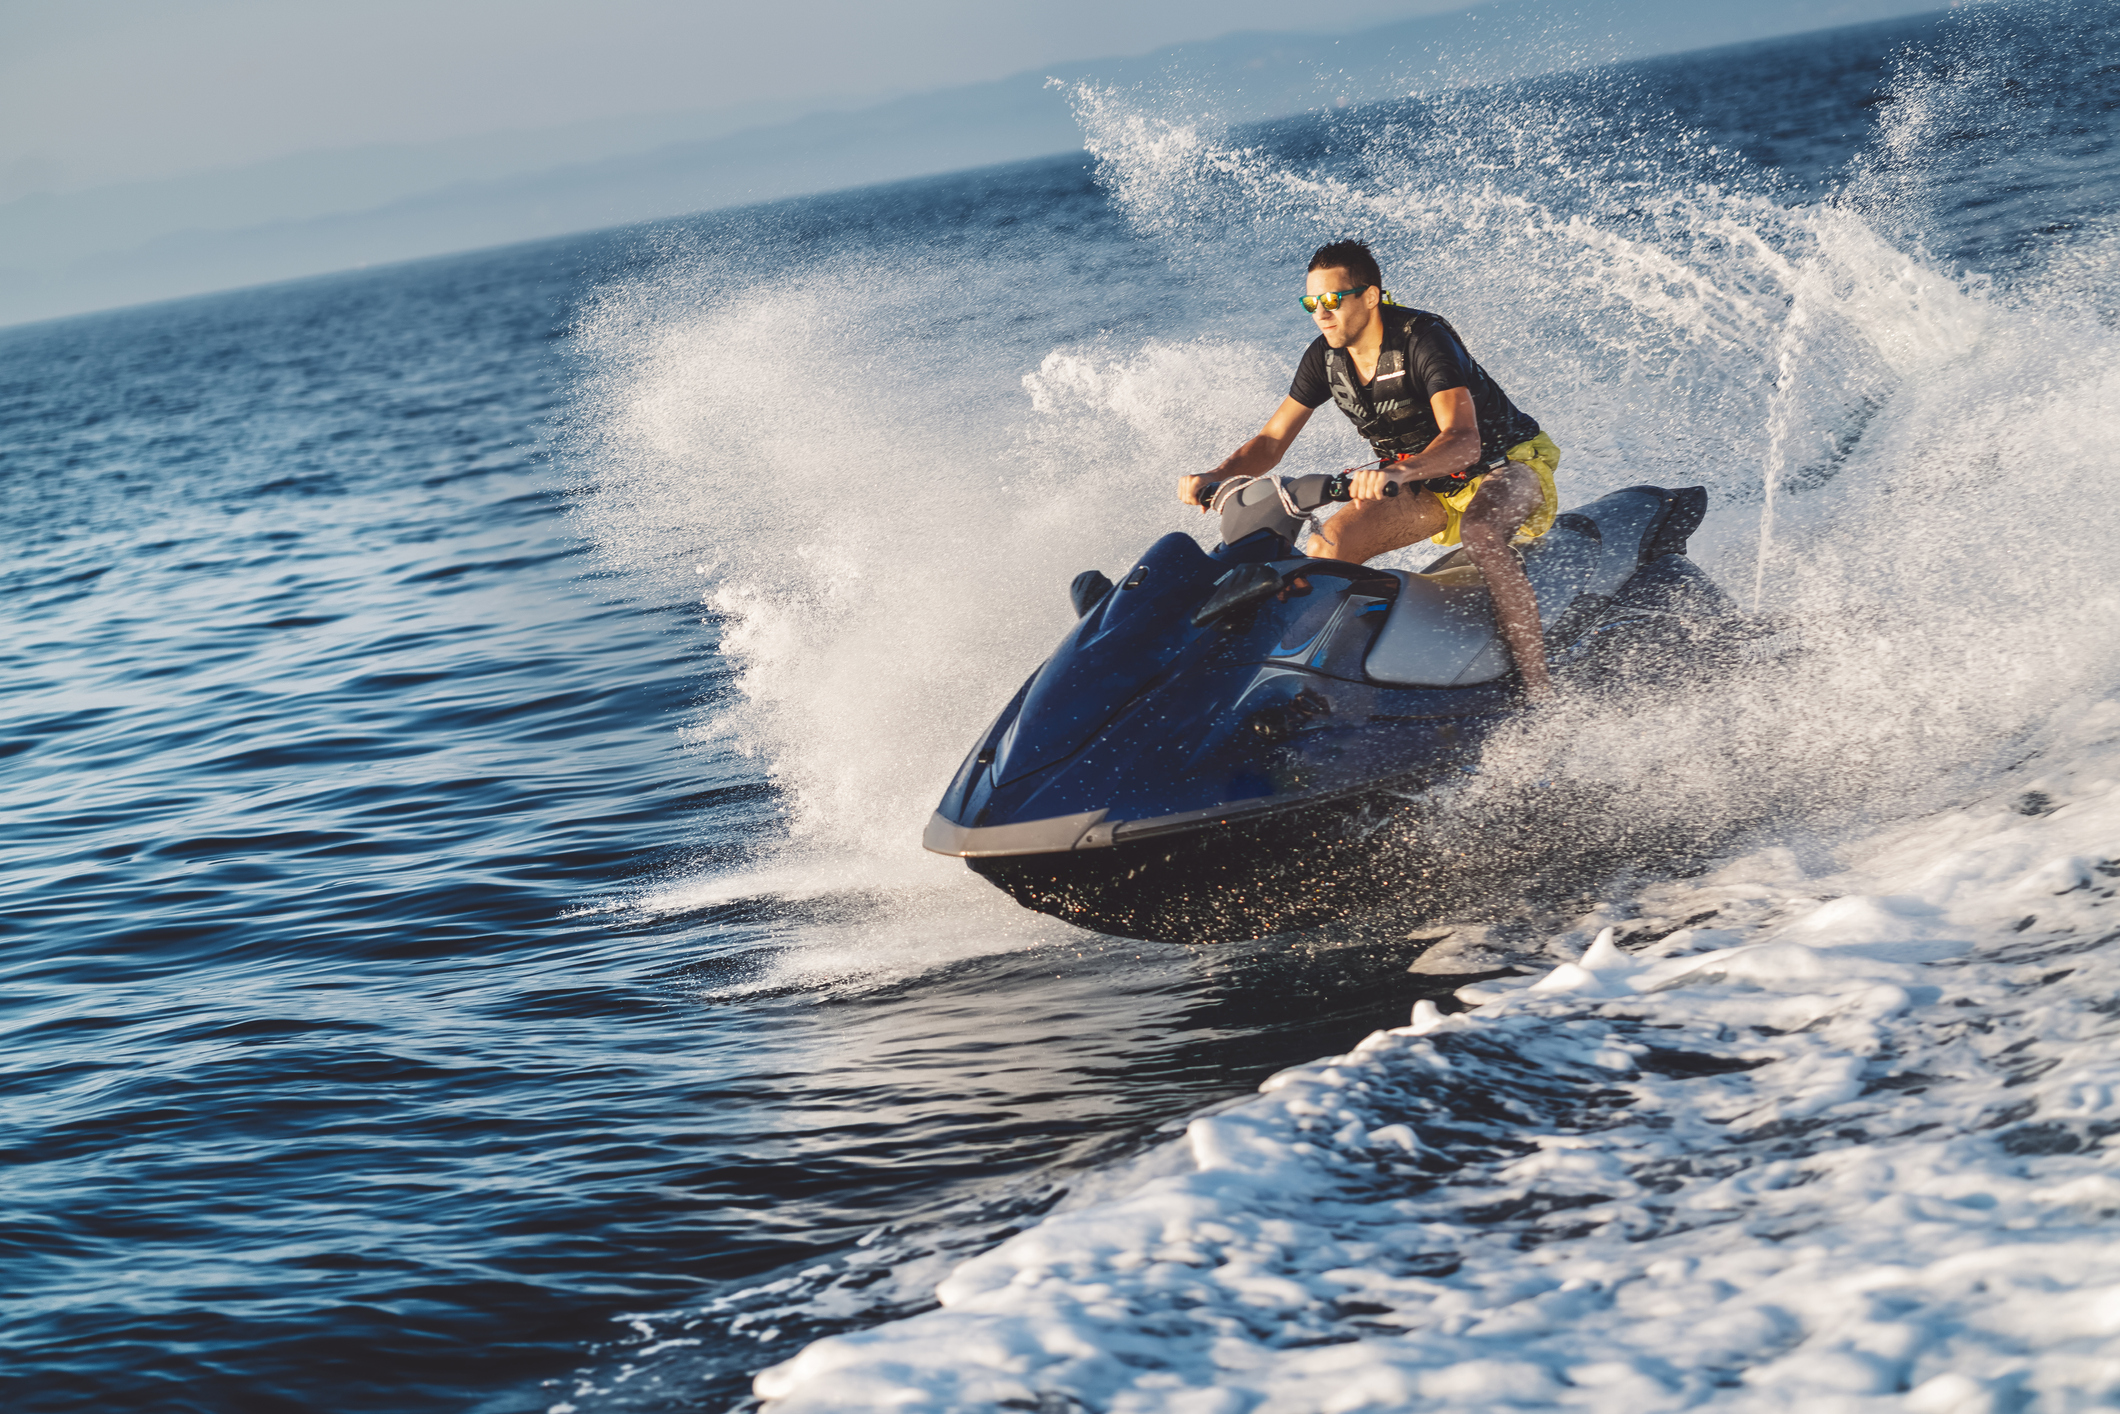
x=1351, y=256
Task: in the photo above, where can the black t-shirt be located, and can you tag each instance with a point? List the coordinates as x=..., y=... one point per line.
x=1436, y=362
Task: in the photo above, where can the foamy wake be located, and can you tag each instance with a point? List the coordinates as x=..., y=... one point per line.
x=1780, y=1141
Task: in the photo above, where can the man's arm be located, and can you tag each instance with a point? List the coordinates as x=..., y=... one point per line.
x=1264, y=452
x=1456, y=448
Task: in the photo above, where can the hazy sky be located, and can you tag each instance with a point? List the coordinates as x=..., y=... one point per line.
x=96, y=91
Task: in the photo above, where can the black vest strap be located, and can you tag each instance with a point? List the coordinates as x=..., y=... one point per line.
x=1394, y=418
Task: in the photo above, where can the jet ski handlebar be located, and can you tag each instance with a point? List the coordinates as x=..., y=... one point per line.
x=1281, y=504
x=1332, y=488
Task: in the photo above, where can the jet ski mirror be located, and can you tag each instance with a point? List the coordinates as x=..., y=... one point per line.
x=1088, y=591
x=1246, y=584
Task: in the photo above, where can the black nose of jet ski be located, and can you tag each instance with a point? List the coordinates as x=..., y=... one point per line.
x=1088, y=591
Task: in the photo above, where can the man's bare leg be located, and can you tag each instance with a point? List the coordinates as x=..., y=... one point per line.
x=1362, y=530
x=1365, y=529
x=1506, y=499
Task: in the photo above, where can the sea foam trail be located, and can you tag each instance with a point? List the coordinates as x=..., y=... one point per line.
x=1840, y=1141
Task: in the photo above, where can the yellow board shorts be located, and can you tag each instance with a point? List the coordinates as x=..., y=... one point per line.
x=1542, y=457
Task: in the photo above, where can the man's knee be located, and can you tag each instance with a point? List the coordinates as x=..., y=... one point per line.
x=1495, y=522
x=1517, y=487
x=1483, y=535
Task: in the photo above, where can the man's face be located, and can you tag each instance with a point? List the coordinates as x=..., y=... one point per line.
x=1344, y=325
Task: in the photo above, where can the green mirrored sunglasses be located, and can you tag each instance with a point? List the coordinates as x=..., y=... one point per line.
x=1330, y=299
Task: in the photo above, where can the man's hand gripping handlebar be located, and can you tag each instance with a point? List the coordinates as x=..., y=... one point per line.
x=1337, y=488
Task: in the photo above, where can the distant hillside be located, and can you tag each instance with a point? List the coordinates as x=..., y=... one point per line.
x=301, y=216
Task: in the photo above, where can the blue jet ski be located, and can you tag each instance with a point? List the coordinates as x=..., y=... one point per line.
x=1212, y=750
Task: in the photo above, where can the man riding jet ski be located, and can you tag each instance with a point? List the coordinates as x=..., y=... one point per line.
x=1480, y=468
x=1242, y=741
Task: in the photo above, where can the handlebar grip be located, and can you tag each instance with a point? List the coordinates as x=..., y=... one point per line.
x=1207, y=492
x=1339, y=488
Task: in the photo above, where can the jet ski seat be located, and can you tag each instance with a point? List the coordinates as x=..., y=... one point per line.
x=1441, y=630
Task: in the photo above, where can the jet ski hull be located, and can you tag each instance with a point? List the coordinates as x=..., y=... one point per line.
x=1235, y=876
x=1186, y=773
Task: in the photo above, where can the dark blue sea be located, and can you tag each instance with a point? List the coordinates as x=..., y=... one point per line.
x=468, y=725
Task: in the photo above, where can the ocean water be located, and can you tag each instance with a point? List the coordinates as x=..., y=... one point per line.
x=469, y=726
